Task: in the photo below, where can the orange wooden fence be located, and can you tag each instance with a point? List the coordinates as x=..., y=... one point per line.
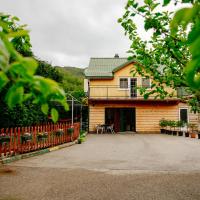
x=20, y=140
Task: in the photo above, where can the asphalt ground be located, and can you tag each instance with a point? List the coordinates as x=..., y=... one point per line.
x=109, y=167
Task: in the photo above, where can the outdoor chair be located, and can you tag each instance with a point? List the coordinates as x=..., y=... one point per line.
x=100, y=128
x=111, y=128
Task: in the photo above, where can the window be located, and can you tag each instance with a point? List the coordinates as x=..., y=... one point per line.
x=123, y=83
x=146, y=83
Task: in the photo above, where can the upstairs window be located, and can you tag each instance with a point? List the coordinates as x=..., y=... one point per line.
x=146, y=83
x=123, y=83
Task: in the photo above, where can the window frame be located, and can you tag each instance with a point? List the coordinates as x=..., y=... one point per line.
x=128, y=79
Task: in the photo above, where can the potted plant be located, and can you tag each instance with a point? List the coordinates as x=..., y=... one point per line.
x=26, y=137
x=187, y=134
x=163, y=125
x=81, y=137
x=180, y=125
x=198, y=133
x=167, y=131
x=4, y=138
x=42, y=135
x=170, y=125
x=70, y=132
x=192, y=130
x=174, y=125
x=59, y=132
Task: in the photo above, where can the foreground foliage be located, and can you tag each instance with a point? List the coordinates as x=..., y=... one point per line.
x=171, y=54
x=17, y=72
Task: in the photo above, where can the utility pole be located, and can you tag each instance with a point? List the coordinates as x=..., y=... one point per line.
x=72, y=111
x=81, y=120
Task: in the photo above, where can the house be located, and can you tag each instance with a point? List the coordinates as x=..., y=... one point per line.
x=113, y=98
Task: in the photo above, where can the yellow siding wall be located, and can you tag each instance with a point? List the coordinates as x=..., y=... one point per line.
x=115, y=91
x=96, y=116
x=147, y=117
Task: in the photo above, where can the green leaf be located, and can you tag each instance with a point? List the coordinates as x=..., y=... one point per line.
x=153, y=6
x=194, y=48
x=17, y=34
x=193, y=79
x=4, y=56
x=183, y=17
x=148, y=2
x=54, y=115
x=14, y=95
x=195, y=32
x=119, y=20
x=30, y=65
x=3, y=79
x=27, y=96
x=45, y=108
x=146, y=96
x=166, y=2
x=186, y=1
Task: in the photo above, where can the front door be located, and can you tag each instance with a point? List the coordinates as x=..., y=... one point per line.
x=122, y=118
x=184, y=115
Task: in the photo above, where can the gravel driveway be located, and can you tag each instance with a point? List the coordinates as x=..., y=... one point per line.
x=109, y=167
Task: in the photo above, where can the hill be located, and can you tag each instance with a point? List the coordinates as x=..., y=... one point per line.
x=73, y=80
x=74, y=71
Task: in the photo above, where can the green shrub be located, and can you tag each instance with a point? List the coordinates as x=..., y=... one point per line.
x=70, y=131
x=180, y=123
x=163, y=123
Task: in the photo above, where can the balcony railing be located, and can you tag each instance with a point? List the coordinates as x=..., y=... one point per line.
x=115, y=92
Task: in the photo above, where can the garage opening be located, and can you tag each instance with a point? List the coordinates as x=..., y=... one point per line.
x=123, y=118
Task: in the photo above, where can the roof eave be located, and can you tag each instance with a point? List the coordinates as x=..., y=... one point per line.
x=99, y=77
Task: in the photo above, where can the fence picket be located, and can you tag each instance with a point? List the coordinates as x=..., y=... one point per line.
x=49, y=137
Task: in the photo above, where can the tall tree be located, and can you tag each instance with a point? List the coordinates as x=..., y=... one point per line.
x=165, y=54
x=18, y=82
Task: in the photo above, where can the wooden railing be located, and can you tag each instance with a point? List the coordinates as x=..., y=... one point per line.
x=115, y=92
x=21, y=140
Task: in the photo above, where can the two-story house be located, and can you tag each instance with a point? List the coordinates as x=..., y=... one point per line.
x=113, y=98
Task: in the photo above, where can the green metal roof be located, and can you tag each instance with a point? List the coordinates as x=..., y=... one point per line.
x=104, y=67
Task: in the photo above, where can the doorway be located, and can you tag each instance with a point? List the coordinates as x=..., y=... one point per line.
x=183, y=115
x=123, y=118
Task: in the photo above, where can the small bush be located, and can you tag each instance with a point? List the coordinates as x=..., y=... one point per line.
x=163, y=123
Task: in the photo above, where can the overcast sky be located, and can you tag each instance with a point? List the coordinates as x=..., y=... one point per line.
x=69, y=32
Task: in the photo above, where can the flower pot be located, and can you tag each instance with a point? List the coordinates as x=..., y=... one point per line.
x=174, y=133
x=180, y=133
x=70, y=131
x=4, y=139
x=26, y=138
x=42, y=136
x=169, y=132
x=79, y=141
x=193, y=135
x=187, y=134
x=162, y=131
x=59, y=132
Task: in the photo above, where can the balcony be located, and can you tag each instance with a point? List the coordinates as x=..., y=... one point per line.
x=115, y=93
